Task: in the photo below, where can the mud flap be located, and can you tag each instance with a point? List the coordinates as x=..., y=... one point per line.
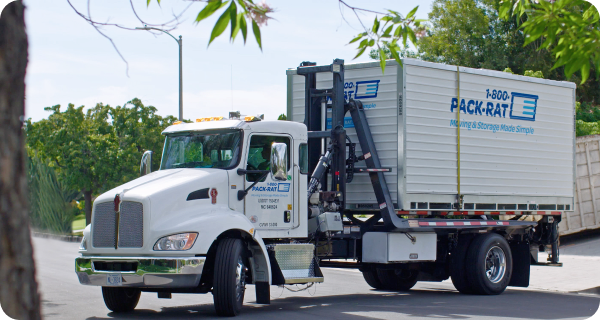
x=263, y=293
x=521, y=263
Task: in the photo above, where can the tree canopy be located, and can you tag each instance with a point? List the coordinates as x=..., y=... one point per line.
x=100, y=148
x=570, y=29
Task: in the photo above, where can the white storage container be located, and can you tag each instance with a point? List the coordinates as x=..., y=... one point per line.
x=516, y=139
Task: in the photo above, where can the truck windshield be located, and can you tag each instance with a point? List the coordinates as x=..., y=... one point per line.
x=207, y=149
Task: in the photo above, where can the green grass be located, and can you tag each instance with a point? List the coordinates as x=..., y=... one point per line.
x=79, y=224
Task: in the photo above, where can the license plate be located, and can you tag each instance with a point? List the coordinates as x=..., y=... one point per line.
x=114, y=280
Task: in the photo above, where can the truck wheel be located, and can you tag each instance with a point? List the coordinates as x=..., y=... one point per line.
x=458, y=271
x=490, y=264
x=398, y=280
x=121, y=299
x=372, y=279
x=229, y=283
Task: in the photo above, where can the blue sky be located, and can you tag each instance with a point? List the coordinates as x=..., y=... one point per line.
x=69, y=62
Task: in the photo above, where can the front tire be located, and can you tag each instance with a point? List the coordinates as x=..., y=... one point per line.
x=121, y=299
x=489, y=264
x=229, y=283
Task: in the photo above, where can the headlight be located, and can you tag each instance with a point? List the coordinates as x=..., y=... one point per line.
x=83, y=244
x=176, y=242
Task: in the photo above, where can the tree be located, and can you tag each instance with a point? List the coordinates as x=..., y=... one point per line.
x=282, y=117
x=138, y=128
x=470, y=33
x=93, y=153
x=18, y=290
x=569, y=28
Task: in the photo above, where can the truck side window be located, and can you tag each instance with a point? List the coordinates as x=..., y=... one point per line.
x=303, y=158
x=259, y=155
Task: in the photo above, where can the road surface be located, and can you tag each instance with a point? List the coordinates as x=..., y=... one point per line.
x=344, y=295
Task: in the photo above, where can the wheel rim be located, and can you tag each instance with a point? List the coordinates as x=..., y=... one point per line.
x=240, y=279
x=495, y=264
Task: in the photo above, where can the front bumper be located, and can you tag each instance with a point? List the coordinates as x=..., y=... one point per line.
x=142, y=272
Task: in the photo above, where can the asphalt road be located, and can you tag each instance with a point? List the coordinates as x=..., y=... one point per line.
x=344, y=295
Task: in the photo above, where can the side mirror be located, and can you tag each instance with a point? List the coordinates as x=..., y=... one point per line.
x=146, y=164
x=279, y=161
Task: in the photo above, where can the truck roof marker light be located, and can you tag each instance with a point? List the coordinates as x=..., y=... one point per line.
x=216, y=118
x=177, y=122
x=251, y=118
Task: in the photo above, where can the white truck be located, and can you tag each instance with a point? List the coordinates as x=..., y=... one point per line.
x=420, y=174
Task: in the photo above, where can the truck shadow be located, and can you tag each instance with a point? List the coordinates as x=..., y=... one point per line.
x=416, y=304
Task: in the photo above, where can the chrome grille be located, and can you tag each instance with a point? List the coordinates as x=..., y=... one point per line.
x=131, y=225
x=103, y=228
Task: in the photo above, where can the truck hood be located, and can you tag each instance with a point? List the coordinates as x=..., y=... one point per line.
x=170, y=199
x=168, y=190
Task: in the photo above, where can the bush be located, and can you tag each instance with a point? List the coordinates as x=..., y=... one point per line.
x=52, y=206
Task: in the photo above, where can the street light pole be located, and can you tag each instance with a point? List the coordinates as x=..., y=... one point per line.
x=180, y=43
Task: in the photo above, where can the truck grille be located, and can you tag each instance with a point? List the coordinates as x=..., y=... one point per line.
x=103, y=231
x=131, y=225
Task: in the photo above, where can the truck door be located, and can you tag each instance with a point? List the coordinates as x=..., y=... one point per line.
x=269, y=204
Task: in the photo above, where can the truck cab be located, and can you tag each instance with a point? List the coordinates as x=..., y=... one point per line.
x=221, y=179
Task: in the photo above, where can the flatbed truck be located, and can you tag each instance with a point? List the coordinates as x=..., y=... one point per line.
x=366, y=175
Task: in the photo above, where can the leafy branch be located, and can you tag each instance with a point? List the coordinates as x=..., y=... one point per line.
x=387, y=32
x=238, y=15
x=570, y=29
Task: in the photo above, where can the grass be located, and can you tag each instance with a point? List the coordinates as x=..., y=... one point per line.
x=79, y=224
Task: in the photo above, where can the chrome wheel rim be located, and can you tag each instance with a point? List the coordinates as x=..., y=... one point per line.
x=240, y=279
x=495, y=264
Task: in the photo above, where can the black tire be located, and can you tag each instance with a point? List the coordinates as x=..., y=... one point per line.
x=372, y=279
x=118, y=299
x=397, y=280
x=406, y=279
x=487, y=251
x=458, y=268
x=229, y=277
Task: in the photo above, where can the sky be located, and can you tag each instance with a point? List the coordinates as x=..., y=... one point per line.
x=70, y=62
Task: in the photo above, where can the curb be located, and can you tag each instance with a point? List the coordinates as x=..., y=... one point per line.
x=57, y=236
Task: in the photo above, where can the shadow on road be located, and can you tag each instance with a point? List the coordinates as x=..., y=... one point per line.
x=422, y=303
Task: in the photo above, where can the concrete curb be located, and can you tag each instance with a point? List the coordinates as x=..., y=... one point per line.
x=57, y=236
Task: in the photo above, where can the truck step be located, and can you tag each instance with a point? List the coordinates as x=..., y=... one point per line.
x=294, y=263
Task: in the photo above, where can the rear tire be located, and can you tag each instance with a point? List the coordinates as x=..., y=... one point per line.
x=489, y=264
x=458, y=270
x=404, y=280
x=372, y=279
x=229, y=283
x=121, y=299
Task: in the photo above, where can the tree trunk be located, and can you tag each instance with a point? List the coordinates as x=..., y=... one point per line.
x=18, y=288
x=87, y=196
